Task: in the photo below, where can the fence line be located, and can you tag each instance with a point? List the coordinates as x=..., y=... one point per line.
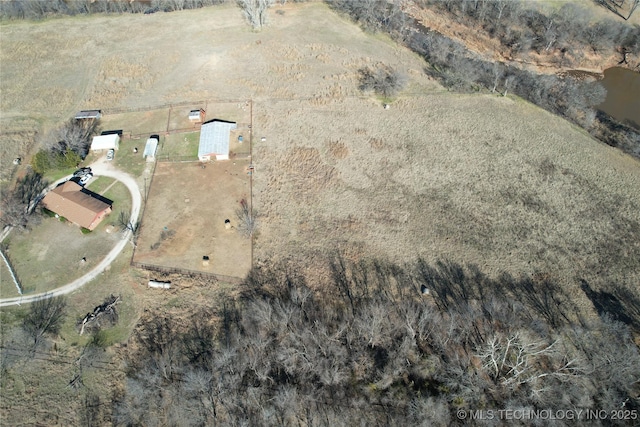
x=195, y=104
x=186, y=272
x=168, y=158
x=129, y=135
x=14, y=275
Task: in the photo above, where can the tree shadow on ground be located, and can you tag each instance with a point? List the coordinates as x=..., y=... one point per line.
x=621, y=304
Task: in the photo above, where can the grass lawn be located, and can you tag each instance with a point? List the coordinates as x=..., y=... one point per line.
x=127, y=160
x=184, y=145
x=49, y=255
x=7, y=287
x=137, y=123
x=54, y=175
x=99, y=184
x=121, y=203
x=117, y=280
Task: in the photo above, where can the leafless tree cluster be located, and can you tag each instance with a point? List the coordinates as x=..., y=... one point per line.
x=383, y=80
x=374, y=15
x=522, y=29
x=45, y=317
x=255, y=11
x=372, y=348
x=66, y=146
x=38, y=9
x=17, y=205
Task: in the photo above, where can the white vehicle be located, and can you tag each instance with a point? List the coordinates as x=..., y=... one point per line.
x=83, y=180
x=110, y=154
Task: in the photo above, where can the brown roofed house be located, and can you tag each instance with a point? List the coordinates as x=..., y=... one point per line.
x=77, y=204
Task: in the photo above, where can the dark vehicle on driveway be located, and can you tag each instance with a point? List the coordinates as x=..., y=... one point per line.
x=81, y=172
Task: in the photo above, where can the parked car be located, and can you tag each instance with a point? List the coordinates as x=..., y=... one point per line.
x=83, y=180
x=81, y=172
x=110, y=154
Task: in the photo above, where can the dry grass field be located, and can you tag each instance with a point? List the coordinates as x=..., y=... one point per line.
x=478, y=179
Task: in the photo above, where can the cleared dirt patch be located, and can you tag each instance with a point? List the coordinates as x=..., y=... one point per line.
x=184, y=219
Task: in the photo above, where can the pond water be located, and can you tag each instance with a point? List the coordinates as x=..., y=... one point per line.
x=623, y=95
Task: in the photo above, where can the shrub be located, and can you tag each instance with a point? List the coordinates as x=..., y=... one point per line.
x=48, y=213
x=384, y=80
x=41, y=162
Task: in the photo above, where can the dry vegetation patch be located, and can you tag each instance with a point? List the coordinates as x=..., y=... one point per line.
x=478, y=179
x=14, y=145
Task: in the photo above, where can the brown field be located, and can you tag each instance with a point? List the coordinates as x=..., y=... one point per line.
x=13, y=144
x=475, y=179
x=185, y=214
x=472, y=178
x=142, y=122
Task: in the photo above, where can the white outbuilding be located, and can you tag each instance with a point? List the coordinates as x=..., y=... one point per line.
x=214, y=140
x=150, y=149
x=105, y=142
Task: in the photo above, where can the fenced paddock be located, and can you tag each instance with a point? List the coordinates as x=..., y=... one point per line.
x=184, y=219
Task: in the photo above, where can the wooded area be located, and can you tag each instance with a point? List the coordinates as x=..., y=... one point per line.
x=381, y=344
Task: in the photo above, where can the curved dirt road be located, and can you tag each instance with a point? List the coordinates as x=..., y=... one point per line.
x=99, y=168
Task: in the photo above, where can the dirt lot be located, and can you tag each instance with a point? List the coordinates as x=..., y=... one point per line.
x=184, y=218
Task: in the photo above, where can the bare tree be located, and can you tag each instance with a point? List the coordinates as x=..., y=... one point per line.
x=126, y=225
x=90, y=410
x=13, y=211
x=247, y=221
x=255, y=11
x=45, y=317
x=75, y=135
x=18, y=205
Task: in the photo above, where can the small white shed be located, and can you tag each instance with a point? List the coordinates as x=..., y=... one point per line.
x=105, y=142
x=197, y=116
x=150, y=150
